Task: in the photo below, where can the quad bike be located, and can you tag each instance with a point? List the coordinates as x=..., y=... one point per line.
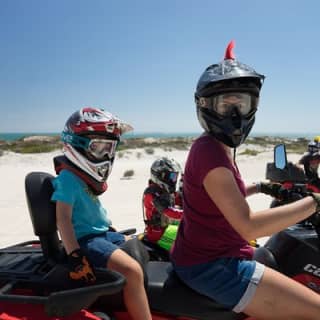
x=294, y=251
x=34, y=275
x=34, y=282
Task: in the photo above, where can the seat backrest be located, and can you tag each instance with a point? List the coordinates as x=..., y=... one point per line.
x=38, y=188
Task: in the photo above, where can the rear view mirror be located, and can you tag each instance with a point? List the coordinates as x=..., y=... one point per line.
x=280, y=156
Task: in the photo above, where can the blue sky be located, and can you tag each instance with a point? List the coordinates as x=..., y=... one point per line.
x=141, y=60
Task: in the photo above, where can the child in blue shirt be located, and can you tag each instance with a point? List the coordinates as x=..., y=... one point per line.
x=90, y=139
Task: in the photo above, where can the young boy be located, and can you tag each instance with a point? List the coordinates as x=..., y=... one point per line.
x=90, y=139
x=162, y=204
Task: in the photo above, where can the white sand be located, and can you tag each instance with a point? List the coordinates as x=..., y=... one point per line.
x=123, y=200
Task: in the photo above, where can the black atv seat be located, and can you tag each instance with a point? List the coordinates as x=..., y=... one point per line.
x=168, y=294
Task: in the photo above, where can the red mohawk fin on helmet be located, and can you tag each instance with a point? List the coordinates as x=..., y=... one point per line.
x=229, y=51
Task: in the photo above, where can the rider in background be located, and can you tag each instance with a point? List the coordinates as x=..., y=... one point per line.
x=162, y=204
x=211, y=253
x=90, y=138
x=311, y=160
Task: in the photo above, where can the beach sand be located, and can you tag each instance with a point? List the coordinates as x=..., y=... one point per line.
x=123, y=199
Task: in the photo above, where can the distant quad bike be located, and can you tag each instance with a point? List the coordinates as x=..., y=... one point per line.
x=292, y=178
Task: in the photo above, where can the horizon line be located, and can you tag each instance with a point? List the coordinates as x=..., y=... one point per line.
x=163, y=132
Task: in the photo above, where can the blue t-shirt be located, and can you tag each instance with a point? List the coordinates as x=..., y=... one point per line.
x=88, y=215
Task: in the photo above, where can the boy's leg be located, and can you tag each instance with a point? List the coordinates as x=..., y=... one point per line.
x=279, y=297
x=134, y=294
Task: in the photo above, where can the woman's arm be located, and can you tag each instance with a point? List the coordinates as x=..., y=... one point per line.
x=223, y=190
x=251, y=189
x=65, y=227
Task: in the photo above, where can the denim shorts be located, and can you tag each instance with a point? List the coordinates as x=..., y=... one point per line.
x=100, y=247
x=231, y=282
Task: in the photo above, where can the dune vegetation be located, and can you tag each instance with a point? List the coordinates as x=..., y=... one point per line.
x=40, y=144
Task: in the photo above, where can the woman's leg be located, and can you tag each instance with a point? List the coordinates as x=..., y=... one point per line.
x=134, y=294
x=278, y=297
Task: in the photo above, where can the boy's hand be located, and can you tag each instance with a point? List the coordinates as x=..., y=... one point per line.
x=80, y=268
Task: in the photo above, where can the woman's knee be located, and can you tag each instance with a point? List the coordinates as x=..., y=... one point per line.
x=275, y=292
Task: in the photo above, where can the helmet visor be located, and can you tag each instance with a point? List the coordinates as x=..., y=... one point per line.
x=102, y=148
x=170, y=177
x=226, y=103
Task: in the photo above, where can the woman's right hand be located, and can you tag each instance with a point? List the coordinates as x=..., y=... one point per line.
x=316, y=198
x=271, y=189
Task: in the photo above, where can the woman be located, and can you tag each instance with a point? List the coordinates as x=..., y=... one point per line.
x=211, y=253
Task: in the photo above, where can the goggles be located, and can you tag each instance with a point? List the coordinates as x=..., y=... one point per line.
x=102, y=148
x=98, y=148
x=225, y=104
x=170, y=177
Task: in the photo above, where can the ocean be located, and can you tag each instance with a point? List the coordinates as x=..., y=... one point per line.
x=18, y=135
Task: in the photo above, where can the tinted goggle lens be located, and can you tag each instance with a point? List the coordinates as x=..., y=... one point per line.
x=172, y=177
x=102, y=148
x=225, y=104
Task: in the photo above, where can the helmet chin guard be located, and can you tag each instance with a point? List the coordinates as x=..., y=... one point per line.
x=99, y=171
x=232, y=131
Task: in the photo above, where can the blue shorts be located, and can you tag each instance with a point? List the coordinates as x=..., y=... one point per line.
x=100, y=247
x=231, y=282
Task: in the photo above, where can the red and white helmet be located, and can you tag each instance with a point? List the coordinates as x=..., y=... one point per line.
x=90, y=139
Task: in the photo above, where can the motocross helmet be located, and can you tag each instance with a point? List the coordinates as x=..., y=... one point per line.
x=316, y=139
x=164, y=173
x=227, y=97
x=313, y=147
x=90, y=138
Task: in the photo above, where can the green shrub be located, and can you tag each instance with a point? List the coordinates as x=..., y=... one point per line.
x=128, y=174
x=249, y=152
x=149, y=150
x=33, y=148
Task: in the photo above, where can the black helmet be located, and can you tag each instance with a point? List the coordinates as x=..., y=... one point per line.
x=313, y=148
x=233, y=80
x=164, y=173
